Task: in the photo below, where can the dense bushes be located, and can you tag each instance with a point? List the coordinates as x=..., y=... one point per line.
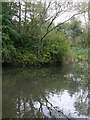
x=55, y=48
x=20, y=46
x=80, y=54
x=22, y=41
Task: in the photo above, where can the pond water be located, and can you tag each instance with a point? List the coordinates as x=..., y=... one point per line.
x=45, y=92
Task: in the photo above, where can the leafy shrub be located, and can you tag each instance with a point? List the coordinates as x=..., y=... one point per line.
x=55, y=48
x=8, y=50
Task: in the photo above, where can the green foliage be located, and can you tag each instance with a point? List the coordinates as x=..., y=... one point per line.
x=55, y=48
x=28, y=58
x=75, y=29
x=21, y=37
x=8, y=51
x=9, y=35
x=80, y=54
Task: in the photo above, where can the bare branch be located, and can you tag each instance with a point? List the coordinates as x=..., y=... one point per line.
x=60, y=24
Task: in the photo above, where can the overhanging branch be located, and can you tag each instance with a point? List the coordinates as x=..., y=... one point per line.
x=60, y=24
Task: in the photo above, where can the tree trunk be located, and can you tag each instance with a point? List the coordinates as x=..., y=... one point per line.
x=25, y=15
x=19, y=17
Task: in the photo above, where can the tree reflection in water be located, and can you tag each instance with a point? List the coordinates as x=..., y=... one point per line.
x=52, y=92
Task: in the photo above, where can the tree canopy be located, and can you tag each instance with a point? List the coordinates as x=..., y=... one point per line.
x=29, y=34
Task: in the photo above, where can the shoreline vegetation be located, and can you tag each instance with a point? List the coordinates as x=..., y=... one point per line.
x=35, y=40
x=41, y=54
x=75, y=55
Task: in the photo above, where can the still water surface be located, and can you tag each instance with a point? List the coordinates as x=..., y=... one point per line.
x=45, y=92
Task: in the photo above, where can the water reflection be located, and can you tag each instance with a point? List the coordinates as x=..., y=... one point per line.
x=53, y=92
